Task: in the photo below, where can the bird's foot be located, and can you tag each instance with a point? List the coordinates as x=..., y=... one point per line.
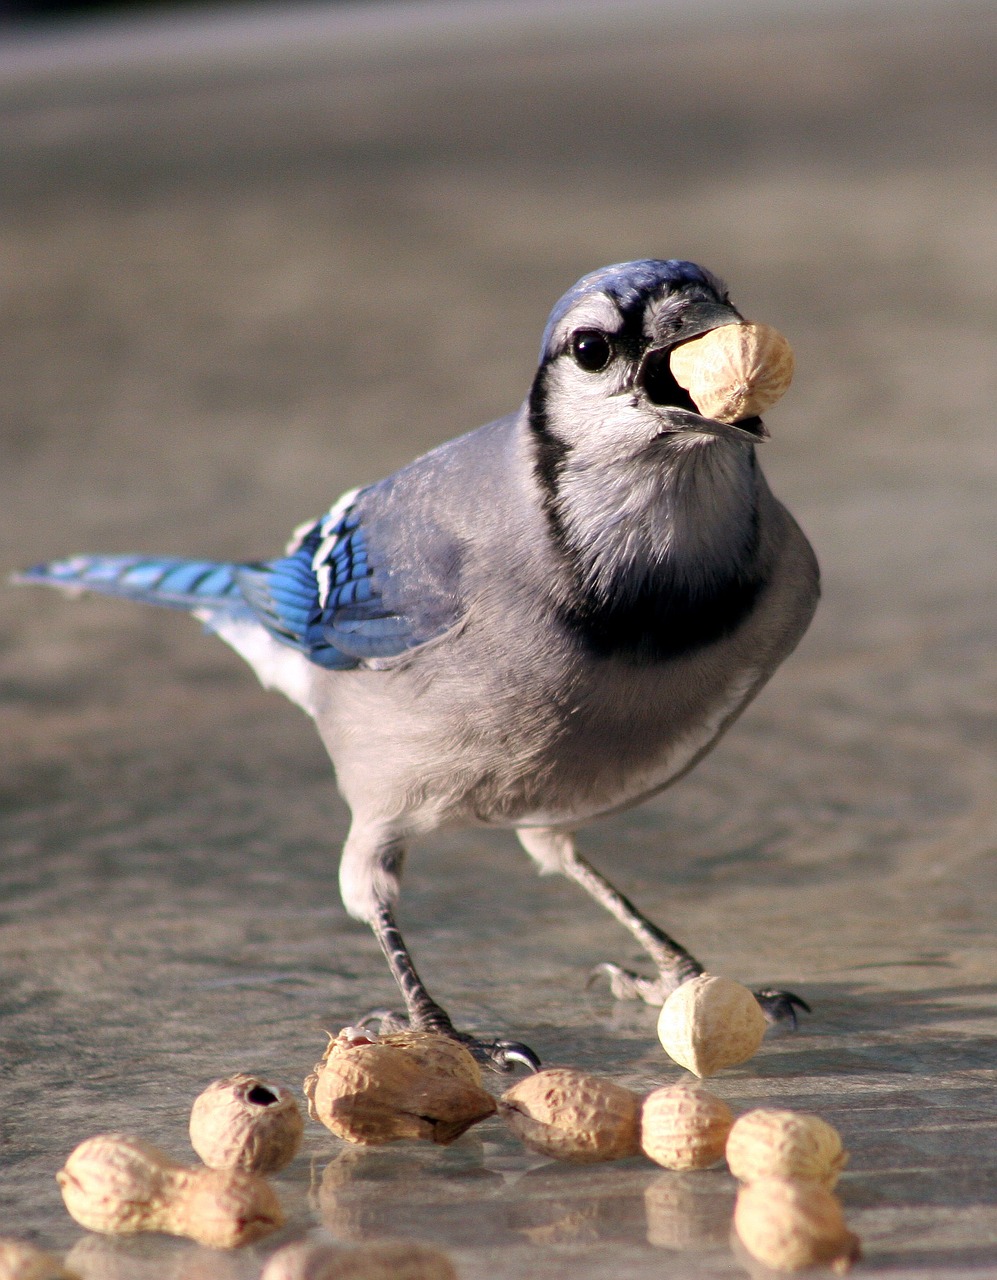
x=780, y=1007
x=499, y=1055
x=627, y=985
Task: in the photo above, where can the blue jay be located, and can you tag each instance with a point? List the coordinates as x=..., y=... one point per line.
x=534, y=625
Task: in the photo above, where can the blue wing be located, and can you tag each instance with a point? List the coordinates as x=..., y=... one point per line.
x=325, y=597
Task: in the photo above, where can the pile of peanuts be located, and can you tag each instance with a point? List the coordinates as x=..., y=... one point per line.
x=370, y=1089
x=786, y=1216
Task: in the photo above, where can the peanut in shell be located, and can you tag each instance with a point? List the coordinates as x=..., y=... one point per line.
x=120, y=1185
x=733, y=372
x=709, y=1023
x=392, y=1260
x=391, y=1089
x=22, y=1261
x=777, y=1143
x=684, y=1126
x=570, y=1115
x=243, y=1122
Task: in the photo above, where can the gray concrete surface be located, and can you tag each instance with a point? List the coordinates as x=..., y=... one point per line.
x=232, y=291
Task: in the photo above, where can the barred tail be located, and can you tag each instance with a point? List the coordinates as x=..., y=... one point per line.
x=178, y=584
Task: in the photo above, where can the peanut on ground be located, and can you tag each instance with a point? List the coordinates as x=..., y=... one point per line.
x=243, y=1122
x=775, y=1143
x=573, y=1116
x=415, y=1085
x=684, y=1126
x=121, y=1185
x=709, y=1023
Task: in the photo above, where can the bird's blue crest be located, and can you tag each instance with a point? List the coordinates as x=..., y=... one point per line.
x=630, y=283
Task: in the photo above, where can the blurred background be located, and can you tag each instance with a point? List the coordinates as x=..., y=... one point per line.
x=252, y=256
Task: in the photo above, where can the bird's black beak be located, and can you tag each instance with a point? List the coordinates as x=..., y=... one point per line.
x=656, y=380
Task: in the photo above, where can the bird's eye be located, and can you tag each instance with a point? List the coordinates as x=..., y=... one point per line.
x=591, y=349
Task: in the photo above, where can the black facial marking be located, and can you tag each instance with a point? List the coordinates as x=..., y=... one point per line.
x=549, y=454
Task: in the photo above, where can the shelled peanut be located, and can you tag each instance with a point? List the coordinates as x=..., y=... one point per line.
x=709, y=1023
x=22, y=1261
x=790, y=1226
x=121, y=1185
x=394, y=1260
x=684, y=1126
x=777, y=1143
x=736, y=371
x=410, y=1085
x=573, y=1116
x=246, y=1123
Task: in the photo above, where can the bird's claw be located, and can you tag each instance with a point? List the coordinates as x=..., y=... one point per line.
x=503, y=1055
x=624, y=984
x=500, y=1055
x=780, y=1007
x=386, y=1021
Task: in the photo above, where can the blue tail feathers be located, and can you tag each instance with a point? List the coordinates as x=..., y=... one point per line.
x=178, y=584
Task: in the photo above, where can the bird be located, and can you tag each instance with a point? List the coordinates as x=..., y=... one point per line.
x=537, y=624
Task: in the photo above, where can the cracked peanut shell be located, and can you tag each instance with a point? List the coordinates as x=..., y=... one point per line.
x=570, y=1115
x=243, y=1122
x=415, y=1085
x=734, y=372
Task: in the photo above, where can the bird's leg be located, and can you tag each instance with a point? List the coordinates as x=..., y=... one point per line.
x=673, y=962
x=555, y=851
x=422, y=1011
x=369, y=879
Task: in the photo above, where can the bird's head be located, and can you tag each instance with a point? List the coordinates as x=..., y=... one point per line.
x=605, y=384
x=635, y=479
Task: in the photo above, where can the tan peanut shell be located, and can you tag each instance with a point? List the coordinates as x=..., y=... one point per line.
x=243, y=1122
x=383, y=1091
x=789, y=1226
x=684, y=1126
x=709, y=1023
x=772, y=1143
x=22, y=1261
x=121, y=1185
x=394, y=1260
x=734, y=372
x=440, y=1054
x=573, y=1116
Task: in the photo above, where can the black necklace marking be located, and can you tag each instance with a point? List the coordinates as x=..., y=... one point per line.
x=660, y=617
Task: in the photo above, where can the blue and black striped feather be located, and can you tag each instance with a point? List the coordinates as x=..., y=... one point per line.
x=326, y=606
x=177, y=584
